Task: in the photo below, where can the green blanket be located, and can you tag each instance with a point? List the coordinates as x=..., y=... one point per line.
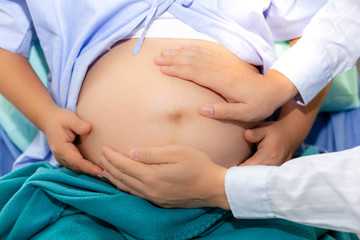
x=43, y=202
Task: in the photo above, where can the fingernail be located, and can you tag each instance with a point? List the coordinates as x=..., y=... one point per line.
x=133, y=154
x=207, y=111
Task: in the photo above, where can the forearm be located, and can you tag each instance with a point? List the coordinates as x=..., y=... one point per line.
x=299, y=119
x=21, y=86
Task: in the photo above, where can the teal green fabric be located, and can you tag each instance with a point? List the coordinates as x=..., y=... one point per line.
x=305, y=151
x=343, y=93
x=20, y=130
x=43, y=202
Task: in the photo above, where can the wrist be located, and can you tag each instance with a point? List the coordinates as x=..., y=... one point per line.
x=218, y=197
x=282, y=89
x=46, y=113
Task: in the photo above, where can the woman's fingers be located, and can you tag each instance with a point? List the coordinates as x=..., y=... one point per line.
x=69, y=156
x=76, y=124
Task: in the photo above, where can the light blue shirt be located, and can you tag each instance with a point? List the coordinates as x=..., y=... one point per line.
x=74, y=33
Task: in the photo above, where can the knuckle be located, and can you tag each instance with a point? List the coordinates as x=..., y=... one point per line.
x=195, y=48
x=55, y=151
x=170, y=59
x=187, y=71
x=121, y=168
x=176, y=51
x=147, y=155
x=149, y=181
x=172, y=70
x=151, y=195
x=220, y=112
x=120, y=180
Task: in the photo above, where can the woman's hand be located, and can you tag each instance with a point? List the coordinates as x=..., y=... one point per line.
x=172, y=176
x=250, y=95
x=61, y=129
x=34, y=100
x=274, y=145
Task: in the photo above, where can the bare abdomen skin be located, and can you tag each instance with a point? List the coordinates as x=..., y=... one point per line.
x=130, y=103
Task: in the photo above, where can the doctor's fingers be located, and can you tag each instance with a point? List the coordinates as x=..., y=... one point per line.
x=126, y=183
x=259, y=158
x=264, y=157
x=117, y=164
x=163, y=158
x=185, y=57
x=230, y=111
x=117, y=172
x=190, y=50
x=134, y=187
x=200, y=74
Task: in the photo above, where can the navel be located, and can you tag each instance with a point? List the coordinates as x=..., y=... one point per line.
x=175, y=117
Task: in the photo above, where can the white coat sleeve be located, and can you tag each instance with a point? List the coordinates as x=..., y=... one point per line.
x=288, y=18
x=320, y=190
x=329, y=46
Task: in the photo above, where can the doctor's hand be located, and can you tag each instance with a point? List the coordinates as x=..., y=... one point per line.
x=173, y=176
x=61, y=128
x=251, y=96
x=274, y=147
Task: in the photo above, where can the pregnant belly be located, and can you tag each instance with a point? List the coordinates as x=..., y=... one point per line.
x=130, y=103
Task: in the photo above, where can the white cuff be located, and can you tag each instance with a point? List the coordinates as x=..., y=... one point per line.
x=246, y=191
x=306, y=66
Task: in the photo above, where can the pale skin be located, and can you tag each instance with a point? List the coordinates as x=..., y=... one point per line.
x=168, y=176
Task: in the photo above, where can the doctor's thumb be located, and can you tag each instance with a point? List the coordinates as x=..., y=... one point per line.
x=254, y=135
